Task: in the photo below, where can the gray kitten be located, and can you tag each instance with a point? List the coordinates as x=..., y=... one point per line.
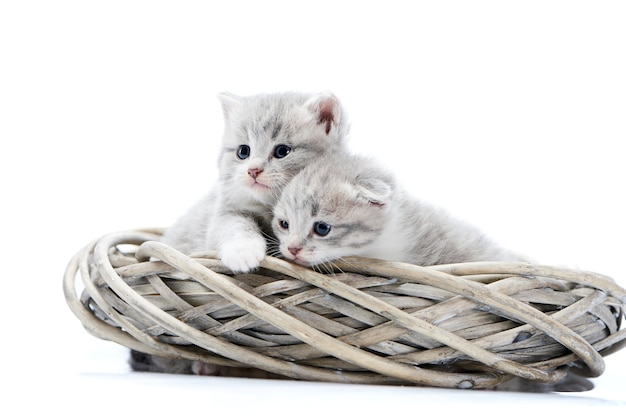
x=351, y=206
x=267, y=140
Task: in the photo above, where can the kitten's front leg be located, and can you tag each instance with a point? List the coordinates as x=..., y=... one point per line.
x=239, y=242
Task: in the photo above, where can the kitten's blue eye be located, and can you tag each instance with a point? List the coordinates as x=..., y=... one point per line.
x=321, y=228
x=283, y=224
x=243, y=152
x=281, y=151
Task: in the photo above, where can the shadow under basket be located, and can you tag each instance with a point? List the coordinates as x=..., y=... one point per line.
x=466, y=325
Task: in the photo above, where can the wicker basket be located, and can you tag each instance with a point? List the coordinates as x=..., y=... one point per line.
x=469, y=325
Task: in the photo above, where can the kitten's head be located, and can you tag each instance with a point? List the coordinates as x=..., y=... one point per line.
x=333, y=209
x=269, y=138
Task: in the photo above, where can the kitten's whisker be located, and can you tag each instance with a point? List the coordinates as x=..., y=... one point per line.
x=328, y=266
x=344, y=261
x=334, y=267
x=269, y=238
x=320, y=268
x=273, y=251
x=275, y=254
x=325, y=266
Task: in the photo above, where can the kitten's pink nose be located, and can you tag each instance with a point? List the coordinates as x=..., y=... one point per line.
x=294, y=250
x=254, y=172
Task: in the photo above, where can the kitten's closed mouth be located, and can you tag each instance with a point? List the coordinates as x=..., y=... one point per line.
x=301, y=262
x=259, y=186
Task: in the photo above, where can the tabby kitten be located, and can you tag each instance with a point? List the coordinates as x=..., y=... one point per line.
x=268, y=138
x=349, y=205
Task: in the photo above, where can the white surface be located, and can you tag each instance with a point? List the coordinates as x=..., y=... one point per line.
x=511, y=114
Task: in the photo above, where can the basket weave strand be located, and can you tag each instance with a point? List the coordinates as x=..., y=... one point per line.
x=462, y=325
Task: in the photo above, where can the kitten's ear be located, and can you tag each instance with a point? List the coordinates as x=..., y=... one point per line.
x=229, y=102
x=327, y=110
x=375, y=191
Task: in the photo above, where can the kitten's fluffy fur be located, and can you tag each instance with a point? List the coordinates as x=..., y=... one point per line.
x=280, y=133
x=350, y=205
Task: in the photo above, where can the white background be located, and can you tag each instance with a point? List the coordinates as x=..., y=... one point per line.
x=510, y=114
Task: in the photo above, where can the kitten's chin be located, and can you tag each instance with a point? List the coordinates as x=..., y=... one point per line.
x=301, y=262
x=298, y=261
x=260, y=191
x=259, y=186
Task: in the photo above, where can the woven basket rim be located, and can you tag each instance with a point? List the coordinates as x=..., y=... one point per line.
x=103, y=283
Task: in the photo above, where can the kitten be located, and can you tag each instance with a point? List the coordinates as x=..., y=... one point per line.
x=351, y=206
x=268, y=138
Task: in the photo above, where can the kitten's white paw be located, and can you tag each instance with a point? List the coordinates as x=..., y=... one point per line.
x=241, y=256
